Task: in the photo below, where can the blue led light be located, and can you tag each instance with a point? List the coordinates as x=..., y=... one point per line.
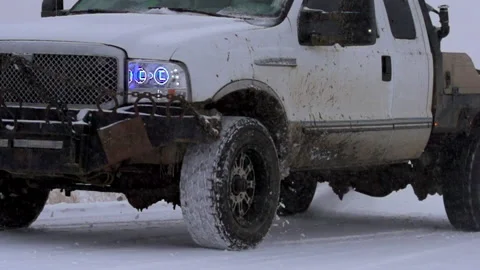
x=130, y=76
x=141, y=76
x=161, y=76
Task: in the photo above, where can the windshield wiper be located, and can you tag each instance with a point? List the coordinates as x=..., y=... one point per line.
x=192, y=11
x=96, y=10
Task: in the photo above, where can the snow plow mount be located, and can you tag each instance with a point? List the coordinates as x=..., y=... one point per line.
x=57, y=140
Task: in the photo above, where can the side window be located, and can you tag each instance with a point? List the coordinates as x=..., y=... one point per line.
x=346, y=22
x=401, y=19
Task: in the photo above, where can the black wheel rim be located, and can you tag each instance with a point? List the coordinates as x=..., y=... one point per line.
x=242, y=181
x=248, y=187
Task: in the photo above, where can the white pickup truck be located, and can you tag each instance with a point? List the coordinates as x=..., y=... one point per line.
x=235, y=109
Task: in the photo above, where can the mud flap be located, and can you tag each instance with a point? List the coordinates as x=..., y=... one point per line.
x=124, y=140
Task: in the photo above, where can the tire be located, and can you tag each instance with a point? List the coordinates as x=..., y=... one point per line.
x=211, y=179
x=461, y=188
x=20, y=206
x=296, y=194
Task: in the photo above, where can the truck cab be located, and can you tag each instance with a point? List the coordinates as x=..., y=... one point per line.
x=236, y=110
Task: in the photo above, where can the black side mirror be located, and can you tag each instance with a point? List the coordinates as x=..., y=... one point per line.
x=444, y=21
x=52, y=8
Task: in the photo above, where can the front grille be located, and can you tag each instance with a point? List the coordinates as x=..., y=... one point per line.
x=87, y=77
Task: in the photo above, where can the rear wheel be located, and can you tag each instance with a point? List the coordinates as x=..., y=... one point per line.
x=20, y=205
x=461, y=188
x=296, y=194
x=229, y=189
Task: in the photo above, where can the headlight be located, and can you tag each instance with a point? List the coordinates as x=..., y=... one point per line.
x=157, y=77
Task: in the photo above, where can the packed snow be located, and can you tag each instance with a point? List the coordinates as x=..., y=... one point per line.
x=357, y=233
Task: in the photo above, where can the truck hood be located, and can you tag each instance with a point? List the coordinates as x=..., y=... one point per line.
x=154, y=36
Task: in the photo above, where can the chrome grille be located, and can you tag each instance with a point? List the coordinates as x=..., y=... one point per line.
x=87, y=75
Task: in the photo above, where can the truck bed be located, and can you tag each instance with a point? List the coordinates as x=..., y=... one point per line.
x=461, y=76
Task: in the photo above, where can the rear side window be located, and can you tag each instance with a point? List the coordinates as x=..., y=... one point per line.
x=401, y=19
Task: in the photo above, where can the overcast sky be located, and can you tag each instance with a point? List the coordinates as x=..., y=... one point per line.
x=465, y=35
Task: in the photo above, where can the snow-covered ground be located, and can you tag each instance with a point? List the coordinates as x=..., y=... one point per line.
x=358, y=233
x=58, y=196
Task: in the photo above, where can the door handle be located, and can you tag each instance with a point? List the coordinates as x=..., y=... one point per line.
x=386, y=68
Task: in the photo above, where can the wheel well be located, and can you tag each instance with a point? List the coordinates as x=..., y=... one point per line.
x=475, y=123
x=262, y=106
x=463, y=121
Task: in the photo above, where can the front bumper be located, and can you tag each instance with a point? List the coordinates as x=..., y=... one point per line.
x=35, y=141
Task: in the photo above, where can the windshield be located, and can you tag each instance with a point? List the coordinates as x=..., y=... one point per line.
x=263, y=8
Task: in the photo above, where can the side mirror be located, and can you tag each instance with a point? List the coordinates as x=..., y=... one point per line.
x=317, y=27
x=52, y=8
x=444, y=21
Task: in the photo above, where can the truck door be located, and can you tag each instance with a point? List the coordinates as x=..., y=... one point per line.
x=340, y=86
x=412, y=78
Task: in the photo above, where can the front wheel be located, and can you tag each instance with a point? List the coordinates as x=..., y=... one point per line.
x=229, y=189
x=461, y=188
x=20, y=205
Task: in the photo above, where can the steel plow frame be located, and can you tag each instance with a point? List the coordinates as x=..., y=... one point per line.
x=92, y=139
